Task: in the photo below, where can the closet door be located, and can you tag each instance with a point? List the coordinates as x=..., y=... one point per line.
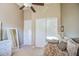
x=28, y=32
x=40, y=32
x=52, y=27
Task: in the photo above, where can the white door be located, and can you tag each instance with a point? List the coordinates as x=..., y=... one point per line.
x=52, y=26
x=43, y=27
x=47, y=27
x=28, y=32
x=40, y=32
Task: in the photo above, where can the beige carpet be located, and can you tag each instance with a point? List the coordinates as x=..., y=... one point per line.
x=28, y=51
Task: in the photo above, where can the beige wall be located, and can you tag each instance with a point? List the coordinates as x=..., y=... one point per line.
x=27, y=14
x=48, y=10
x=12, y=17
x=70, y=19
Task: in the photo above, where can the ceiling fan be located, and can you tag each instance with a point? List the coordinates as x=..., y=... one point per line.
x=30, y=5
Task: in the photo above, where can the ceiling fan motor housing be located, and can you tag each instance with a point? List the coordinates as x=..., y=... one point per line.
x=27, y=4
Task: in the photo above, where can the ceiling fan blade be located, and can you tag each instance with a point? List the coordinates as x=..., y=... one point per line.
x=40, y=4
x=32, y=9
x=21, y=7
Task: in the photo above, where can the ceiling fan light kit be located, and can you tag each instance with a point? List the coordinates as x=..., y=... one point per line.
x=27, y=4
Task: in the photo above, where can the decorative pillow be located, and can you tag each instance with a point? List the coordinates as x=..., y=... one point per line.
x=72, y=48
x=53, y=41
x=62, y=45
x=76, y=40
x=78, y=52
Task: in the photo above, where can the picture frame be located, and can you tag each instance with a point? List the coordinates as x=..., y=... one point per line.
x=13, y=37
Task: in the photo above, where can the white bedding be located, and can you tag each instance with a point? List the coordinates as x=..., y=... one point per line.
x=5, y=48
